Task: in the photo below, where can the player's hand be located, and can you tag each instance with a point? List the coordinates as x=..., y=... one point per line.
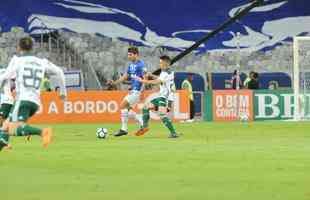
x=110, y=82
x=138, y=78
x=149, y=75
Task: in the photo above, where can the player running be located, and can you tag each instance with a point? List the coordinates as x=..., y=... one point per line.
x=7, y=100
x=166, y=82
x=29, y=72
x=135, y=69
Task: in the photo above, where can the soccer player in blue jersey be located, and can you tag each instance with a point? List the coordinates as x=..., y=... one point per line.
x=135, y=69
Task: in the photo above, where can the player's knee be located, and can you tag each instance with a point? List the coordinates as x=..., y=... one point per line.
x=151, y=106
x=11, y=127
x=147, y=107
x=162, y=109
x=5, y=125
x=125, y=105
x=162, y=115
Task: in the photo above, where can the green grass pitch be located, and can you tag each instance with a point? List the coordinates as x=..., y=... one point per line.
x=211, y=161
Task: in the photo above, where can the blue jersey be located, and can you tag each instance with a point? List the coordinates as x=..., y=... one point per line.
x=135, y=70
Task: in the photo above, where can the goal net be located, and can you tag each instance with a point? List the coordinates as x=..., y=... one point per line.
x=301, y=76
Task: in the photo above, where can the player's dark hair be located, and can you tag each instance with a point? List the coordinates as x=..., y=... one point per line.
x=166, y=58
x=26, y=44
x=255, y=75
x=133, y=50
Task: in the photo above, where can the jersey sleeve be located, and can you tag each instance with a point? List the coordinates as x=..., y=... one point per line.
x=10, y=71
x=51, y=68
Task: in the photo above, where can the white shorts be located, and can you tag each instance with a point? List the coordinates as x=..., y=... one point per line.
x=133, y=97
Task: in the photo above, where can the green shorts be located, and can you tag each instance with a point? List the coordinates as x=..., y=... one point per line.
x=5, y=110
x=23, y=110
x=169, y=107
x=159, y=101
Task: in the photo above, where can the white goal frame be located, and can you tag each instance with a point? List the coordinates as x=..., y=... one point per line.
x=296, y=76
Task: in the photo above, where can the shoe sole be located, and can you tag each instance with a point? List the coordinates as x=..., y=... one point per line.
x=120, y=134
x=141, y=131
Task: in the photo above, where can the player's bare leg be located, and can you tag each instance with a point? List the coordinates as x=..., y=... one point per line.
x=2, y=120
x=137, y=117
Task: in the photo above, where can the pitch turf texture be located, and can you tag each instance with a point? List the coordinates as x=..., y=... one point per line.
x=257, y=161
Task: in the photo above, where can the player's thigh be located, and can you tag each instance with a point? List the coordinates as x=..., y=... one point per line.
x=150, y=106
x=162, y=109
x=5, y=125
x=124, y=104
x=12, y=126
x=130, y=100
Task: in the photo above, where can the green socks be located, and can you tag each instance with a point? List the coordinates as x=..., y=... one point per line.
x=146, y=117
x=168, y=124
x=25, y=130
x=4, y=139
x=164, y=118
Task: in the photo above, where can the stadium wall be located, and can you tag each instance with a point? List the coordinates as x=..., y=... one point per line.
x=98, y=107
x=227, y=105
x=218, y=106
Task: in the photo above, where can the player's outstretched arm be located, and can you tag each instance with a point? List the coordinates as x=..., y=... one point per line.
x=149, y=75
x=120, y=80
x=145, y=81
x=10, y=71
x=60, y=76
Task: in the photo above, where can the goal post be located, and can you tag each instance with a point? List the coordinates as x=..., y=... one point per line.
x=301, y=77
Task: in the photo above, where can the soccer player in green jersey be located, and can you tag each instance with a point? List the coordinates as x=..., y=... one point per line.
x=166, y=82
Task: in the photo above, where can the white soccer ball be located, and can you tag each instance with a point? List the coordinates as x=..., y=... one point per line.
x=102, y=133
x=244, y=117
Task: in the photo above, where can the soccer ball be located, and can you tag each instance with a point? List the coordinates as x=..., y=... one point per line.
x=244, y=117
x=102, y=133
